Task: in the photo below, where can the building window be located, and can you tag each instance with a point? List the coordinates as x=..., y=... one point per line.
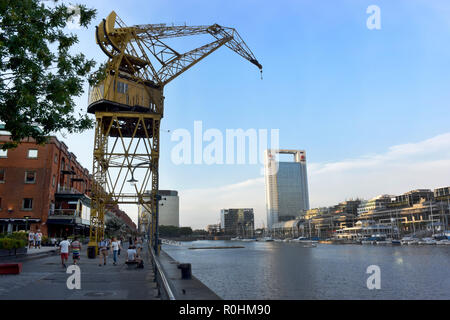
x=27, y=204
x=32, y=153
x=3, y=153
x=56, y=158
x=122, y=87
x=53, y=181
x=30, y=176
x=2, y=175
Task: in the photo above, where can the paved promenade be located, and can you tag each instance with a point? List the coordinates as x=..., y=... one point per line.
x=45, y=278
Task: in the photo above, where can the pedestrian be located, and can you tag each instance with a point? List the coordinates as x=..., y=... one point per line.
x=76, y=250
x=103, y=251
x=120, y=245
x=30, y=239
x=64, y=249
x=138, y=246
x=53, y=241
x=115, y=247
x=38, y=238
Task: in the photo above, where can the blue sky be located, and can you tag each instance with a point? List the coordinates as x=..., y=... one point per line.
x=333, y=87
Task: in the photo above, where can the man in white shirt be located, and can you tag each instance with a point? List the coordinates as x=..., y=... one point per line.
x=64, y=248
x=131, y=253
x=133, y=256
x=30, y=239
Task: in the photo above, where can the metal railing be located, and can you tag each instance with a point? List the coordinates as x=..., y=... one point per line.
x=70, y=190
x=160, y=277
x=64, y=212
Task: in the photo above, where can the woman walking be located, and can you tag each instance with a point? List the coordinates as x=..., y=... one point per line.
x=115, y=247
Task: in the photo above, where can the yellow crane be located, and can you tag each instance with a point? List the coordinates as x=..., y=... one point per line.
x=128, y=104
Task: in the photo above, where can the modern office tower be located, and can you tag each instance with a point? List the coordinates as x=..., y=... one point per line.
x=239, y=222
x=169, y=208
x=286, y=186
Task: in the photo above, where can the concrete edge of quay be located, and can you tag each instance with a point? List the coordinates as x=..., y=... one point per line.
x=183, y=289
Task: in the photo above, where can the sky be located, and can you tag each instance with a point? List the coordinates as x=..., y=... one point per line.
x=370, y=107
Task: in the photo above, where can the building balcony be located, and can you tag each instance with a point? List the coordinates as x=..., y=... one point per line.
x=67, y=190
x=64, y=212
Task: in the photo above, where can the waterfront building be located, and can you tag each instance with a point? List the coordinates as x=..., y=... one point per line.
x=411, y=197
x=375, y=204
x=213, y=228
x=45, y=187
x=286, y=185
x=237, y=222
x=169, y=208
x=442, y=194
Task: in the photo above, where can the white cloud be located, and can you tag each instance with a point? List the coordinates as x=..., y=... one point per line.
x=425, y=164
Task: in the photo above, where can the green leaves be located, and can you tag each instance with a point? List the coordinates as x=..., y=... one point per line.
x=37, y=84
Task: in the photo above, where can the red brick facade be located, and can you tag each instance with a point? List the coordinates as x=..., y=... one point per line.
x=52, y=168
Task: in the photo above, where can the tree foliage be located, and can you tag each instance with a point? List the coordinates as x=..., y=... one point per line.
x=172, y=231
x=39, y=75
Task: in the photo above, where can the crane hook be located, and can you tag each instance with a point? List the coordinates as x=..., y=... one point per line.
x=261, y=74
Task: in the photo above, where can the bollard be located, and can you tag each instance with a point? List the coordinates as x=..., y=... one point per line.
x=185, y=270
x=91, y=252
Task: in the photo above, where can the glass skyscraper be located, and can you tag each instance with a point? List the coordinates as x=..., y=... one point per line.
x=286, y=186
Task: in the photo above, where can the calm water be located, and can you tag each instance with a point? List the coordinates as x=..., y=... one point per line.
x=277, y=270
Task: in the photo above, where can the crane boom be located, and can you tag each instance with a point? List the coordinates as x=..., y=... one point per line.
x=115, y=39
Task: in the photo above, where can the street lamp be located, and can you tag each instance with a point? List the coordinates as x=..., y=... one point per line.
x=133, y=181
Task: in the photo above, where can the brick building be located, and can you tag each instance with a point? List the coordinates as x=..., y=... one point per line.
x=43, y=187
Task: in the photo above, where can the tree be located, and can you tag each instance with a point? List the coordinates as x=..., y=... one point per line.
x=39, y=76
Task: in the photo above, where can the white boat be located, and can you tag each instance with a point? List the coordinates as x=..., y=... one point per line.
x=248, y=239
x=427, y=241
x=266, y=239
x=443, y=242
x=383, y=242
x=304, y=240
x=287, y=240
x=236, y=239
x=368, y=242
x=407, y=240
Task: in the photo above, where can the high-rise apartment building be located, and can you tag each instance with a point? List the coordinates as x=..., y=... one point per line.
x=286, y=186
x=239, y=222
x=169, y=208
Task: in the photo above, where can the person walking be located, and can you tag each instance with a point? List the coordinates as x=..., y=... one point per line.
x=115, y=247
x=138, y=246
x=76, y=250
x=30, y=239
x=64, y=250
x=53, y=241
x=103, y=251
x=120, y=245
x=38, y=239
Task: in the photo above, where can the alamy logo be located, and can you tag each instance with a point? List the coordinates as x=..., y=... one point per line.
x=374, y=281
x=73, y=281
x=209, y=147
x=374, y=20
